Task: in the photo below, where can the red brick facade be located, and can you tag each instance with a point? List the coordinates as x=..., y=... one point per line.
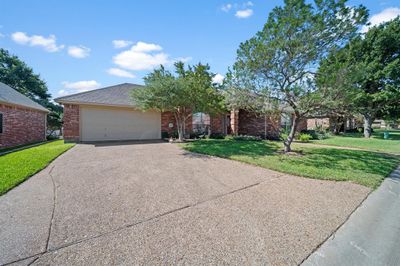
x=21, y=126
x=241, y=122
x=258, y=125
x=217, y=124
x=168, y=118
x=71, y=122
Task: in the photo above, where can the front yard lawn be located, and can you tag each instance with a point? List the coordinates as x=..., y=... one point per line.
x=362, y=167
x=375, y=143
x=17, y=166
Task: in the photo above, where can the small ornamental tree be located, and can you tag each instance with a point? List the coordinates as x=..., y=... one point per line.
x=372, y=73
x=188, y=91
x=284, y=56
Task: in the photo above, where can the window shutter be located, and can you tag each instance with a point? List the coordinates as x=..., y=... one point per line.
x=1, y=123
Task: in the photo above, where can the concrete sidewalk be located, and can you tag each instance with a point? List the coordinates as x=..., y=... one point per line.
x=371, y=236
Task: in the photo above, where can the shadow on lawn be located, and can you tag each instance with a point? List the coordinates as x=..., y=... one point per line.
x=313, y=158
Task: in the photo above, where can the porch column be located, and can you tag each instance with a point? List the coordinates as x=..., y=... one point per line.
x=235, y=122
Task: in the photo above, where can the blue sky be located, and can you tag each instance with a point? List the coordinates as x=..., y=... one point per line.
x=83, y=45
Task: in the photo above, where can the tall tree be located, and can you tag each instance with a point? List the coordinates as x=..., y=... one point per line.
x=16, y=74
x=372, y=67
x=284, y=56
x=189, y=91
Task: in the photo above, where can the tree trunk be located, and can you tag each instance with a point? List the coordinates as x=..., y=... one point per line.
x=180, y=126
x=290, y=138
x=265, y=126
x=367, y=125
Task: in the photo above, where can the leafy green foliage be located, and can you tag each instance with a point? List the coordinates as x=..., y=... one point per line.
x=303, y=137
x=189, y=91
x=16, y=74
x=366, y=74
x=281, y=59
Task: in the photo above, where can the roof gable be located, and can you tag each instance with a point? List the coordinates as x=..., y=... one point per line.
x=11, y=96
x=113, y=95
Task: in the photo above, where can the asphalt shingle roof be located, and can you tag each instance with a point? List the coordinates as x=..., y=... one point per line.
x=113, y=95
x=11, y=96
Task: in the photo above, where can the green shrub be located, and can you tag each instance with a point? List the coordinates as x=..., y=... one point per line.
x=217, y=136
x=316, y=134
x=247, y=137
x=164, y=135
x=305, y=137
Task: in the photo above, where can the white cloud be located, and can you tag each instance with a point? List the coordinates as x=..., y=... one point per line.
x=62, y=93
x=2, y=35
x=120, y=73
x=49, y=44
x=78, y=86
x=245, y=13
x=226, y=7
x=146, y=47
x=384, y=16
x=141, y=57
x=218, y=79
x=121, y=43
x=183, y=59
x=78, y=51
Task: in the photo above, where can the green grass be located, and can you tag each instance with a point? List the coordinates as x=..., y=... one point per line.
x=361, y=167
x=17, y=166
x=376, y=143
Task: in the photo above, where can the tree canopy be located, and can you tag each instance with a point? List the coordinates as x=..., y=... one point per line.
x=187, y=91
x=16, y=74
x=367, y=73
x=282, y=58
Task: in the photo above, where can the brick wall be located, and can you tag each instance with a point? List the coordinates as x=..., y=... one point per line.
x=302, y=125
x=71, y=122
x=313, y=123
x=217, y=124
x=21, y=126
x=169, y=118
x=253, y=124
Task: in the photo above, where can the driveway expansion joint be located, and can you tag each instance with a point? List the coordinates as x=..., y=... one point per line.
x=54, y=208
x=48, y=250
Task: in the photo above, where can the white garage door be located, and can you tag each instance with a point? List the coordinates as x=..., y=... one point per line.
x=107, y=123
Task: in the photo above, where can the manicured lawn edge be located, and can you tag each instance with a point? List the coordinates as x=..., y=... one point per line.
x=18, y=161
x=23, y=147
x=361, y=167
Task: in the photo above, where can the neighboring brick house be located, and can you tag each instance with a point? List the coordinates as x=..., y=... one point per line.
x=22, y=120
x=334, y=124
x=109, y=114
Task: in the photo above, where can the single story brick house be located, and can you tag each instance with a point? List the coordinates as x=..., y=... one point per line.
x=22, y=120
x=108, y=114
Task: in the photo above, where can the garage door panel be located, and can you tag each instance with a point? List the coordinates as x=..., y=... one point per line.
x=119, y=124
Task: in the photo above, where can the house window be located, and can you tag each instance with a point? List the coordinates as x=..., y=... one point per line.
x=1, y=123
x=201, y=123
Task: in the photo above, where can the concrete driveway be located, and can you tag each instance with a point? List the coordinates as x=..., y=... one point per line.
x=153, y=203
